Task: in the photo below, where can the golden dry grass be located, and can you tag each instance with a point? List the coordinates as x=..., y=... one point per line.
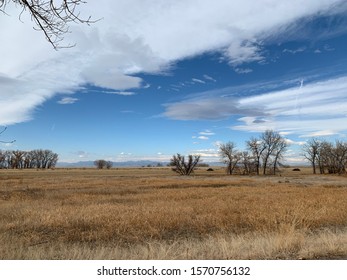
x=154, y=214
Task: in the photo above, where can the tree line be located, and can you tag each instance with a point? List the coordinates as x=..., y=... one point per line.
x=101, y=164
x=41, y=159
x=326, y=156
x=265, y=154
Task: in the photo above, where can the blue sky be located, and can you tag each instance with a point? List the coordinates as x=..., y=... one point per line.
x=154, y=78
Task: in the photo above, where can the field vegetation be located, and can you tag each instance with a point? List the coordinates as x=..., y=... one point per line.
x=153, y=213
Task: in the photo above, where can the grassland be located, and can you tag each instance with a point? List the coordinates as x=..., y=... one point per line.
x=151, y=213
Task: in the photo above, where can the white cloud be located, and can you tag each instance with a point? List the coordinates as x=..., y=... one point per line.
x=202, y=137
x=82, y=154
x=298, y=50
x=207, y=133
x=122, y=92
x=243, y=52
x=209, y=78
x=67, y=100
x=198, y=81
x=243, y=70
x=208, y=155
x=133, y=36
x=321, y=133
x=292, y=142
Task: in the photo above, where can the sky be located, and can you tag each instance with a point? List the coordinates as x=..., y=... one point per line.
x=153, y=78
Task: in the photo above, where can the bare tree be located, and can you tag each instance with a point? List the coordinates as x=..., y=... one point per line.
x=2, y=159
x=100, y=163
x=311, y=152
x=8, y=159
x=267, y=151
x=50, y=17
x=230, y=156
x=52, y=159
x=332, y=158
x=182, y=167
x=325, y=159
x=340, y=154
x=109, y=164
x=256, y=147
x=248, y=163
x=329, y=157
x=29, y=161
x=43, y=159
x=271, y=140
x=278, y=151
x=18, y=159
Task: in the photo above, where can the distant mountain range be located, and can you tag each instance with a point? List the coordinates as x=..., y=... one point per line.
x=139, y=163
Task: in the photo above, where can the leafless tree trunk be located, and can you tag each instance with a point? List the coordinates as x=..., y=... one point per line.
x=340, y=156
x=280, y=148
x=248, y=163
x=311, y=152
x=275, y=145
x=256, y=147
x=230, y=156
x=18, y=159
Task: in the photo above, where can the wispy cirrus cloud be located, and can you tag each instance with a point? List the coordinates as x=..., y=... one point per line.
x=209, y=78
x=243, y=70
x=208, y=155
x=67, y=100
x=298, y=50
x=121, y=92
x=314, y=109
x=207, y=132
x=195, y=80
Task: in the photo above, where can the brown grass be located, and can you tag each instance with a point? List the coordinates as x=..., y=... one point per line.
x=154, y=214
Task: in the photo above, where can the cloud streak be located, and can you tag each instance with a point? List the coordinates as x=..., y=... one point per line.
x=67, y=100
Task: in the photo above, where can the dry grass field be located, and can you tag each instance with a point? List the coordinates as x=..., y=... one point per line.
x=151, y=213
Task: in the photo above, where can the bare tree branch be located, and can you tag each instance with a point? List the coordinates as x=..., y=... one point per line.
x=2, y=131
x=181, y=166
x=50, y=17
x=230, y=156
